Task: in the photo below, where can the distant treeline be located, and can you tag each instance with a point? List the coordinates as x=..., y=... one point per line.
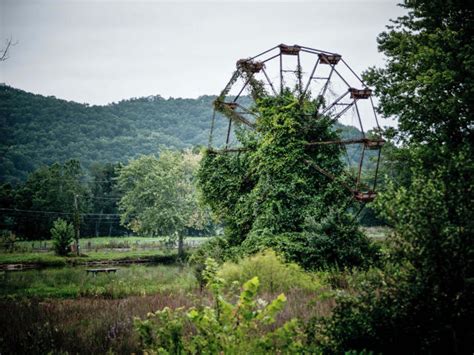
x=36, y=130
x=61, y=191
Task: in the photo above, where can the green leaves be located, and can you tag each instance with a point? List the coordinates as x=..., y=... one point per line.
x=62, y=234
x=159, y=194
x=427, y=83
x=267, y=193
x=224, y=328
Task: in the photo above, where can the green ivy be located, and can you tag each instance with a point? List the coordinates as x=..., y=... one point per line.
x=271, y=195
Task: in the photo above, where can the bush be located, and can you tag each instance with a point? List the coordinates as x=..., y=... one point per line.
x=7, y=240
x=62, y=234
x=334, y=241
x=216, y=248
x=273, y=273
x=225, y=328
x=422, y=302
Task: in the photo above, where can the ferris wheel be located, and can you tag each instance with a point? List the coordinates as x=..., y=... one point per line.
x=310, y=73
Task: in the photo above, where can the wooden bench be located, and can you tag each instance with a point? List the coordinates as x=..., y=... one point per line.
x=106, y=270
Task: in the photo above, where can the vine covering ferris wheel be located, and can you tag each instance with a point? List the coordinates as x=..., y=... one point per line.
x=312, y=73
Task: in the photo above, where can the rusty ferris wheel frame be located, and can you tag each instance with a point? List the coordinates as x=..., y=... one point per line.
x=252, y=72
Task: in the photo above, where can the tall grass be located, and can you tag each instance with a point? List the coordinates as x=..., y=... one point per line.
x=99, y=325
x=79, y=326
x=70, y=282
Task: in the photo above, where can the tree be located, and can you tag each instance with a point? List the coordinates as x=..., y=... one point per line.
x=428, y=81
x=271, y=195
x=424, y=301
x=105, y=196
x=159, y=195
x=51, y=192
x=62, y=234
x=428, y=84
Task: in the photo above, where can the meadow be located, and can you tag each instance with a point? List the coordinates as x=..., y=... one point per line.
x=39, y=253
x=96, y=243
x=66, y=310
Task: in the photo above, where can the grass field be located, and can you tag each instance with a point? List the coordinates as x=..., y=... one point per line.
x=74, y=282
x=101, y=249
x=64, y=310
x=96, y=243
x=49, y=259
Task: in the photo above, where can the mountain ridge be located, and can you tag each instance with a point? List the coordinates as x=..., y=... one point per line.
x=38, y=130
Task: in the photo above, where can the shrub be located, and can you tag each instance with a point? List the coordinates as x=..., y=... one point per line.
x=334, y=241
x=273, y=273
x=62, y=234
x=7, y=240
x=240, y=328
x=422, y=302
x=216, y=248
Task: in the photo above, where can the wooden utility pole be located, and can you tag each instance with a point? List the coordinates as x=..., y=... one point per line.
x=76, y=223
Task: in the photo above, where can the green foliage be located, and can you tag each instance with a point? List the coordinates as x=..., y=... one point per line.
x=216, y=248
x=224, y=328
x=49, y=189
x=273, y=273
x=104, y=201
x=427, y=82
x=334, y=241
x=423, y=300
x=271, y=195
x=62, y=234
x=39, y=130
x=159, y=195
x=7, y=240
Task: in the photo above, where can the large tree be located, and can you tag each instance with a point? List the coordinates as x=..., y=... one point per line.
x=427, y=83
x=159, y=196
x=424, y=304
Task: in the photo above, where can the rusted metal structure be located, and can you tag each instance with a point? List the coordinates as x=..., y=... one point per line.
x=312, y=73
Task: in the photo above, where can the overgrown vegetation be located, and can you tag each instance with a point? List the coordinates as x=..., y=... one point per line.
x=413, y=294
x=100, y=318
x=272, y=196
x=422, y=300
x=223, y=328
x=272, y=272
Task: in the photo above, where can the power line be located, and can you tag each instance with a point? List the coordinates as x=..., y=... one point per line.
x=63, y=213
x=114, y=180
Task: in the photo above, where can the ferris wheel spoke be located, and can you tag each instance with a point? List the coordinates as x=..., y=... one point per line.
x=269, y=81
x=329, y=82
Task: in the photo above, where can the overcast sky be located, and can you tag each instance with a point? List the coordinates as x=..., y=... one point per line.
x=104, y=51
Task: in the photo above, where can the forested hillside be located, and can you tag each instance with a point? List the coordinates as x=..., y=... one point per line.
x=36, y=130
